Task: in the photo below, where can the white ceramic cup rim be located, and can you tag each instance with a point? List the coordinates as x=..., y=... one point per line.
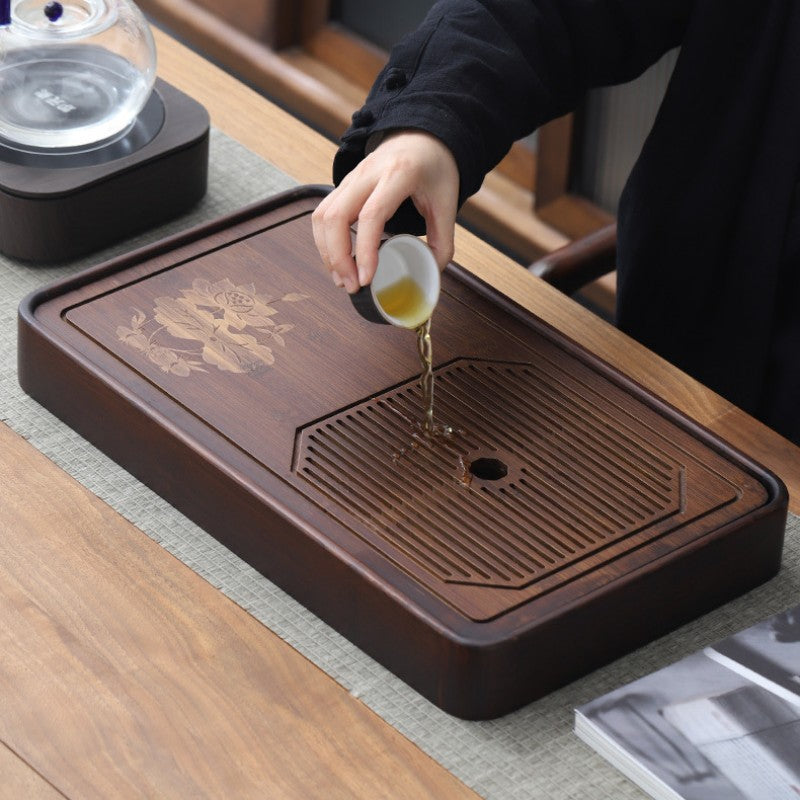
x=406, y=255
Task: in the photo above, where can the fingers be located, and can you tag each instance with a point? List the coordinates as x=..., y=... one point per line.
x=391, y=190
x=369, y=198
x=331, y=223
x=406, y=165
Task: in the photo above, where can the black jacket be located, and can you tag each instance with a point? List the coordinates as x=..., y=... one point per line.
x=709, y=246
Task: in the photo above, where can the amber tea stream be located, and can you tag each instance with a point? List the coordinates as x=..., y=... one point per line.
x=425, y=350
x=405, y=301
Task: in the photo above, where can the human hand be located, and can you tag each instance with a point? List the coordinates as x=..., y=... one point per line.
x=407, y=164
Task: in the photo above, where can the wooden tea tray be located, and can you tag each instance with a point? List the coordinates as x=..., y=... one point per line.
x=223, y=369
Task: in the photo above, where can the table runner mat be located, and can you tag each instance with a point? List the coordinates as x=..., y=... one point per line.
x=529, y=754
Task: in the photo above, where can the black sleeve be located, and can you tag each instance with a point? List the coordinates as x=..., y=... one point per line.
x=480, y=74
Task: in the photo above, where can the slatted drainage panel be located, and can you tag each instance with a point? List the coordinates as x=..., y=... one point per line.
x=541, y=476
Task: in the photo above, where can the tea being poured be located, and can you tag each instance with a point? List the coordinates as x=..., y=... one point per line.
x=430, y=429
x=405, y=302
x=404, y=292
x=425, y=350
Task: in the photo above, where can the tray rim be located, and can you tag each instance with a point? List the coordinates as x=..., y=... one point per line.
x=471, y=634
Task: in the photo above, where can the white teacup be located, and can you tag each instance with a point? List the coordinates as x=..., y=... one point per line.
x=406, y=285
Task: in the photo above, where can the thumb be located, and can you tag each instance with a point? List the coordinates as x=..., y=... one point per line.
x=440, y=235
x=440, y=224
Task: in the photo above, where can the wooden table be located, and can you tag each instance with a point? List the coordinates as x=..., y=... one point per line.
x=124, y=674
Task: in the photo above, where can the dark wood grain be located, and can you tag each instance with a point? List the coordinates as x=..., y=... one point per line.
x=585, y=260
x=224, y=369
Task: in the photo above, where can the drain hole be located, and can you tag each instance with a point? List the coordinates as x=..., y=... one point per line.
x=488, y=469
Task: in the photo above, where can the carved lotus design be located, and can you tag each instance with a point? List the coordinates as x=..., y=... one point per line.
x=216, y=316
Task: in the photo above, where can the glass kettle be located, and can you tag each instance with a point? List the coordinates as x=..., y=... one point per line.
x=73, y=74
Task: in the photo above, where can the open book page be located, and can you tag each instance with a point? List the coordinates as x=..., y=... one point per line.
x=698, y=730
x=767, y=654
x=750, y=735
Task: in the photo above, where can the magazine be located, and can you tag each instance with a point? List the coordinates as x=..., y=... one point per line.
x=721, y=724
